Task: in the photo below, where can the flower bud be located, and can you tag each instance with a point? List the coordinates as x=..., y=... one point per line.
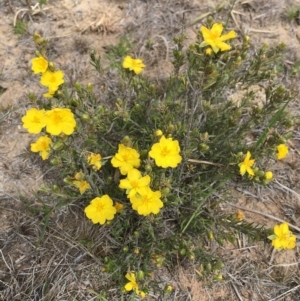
x=239, y=155
x=109, y=180
x=77, y=86
x=137, y=106
x=168, y=289
x=238, y=60
x=260, y=173
x=165, y=191
x=209, y=20
x=289, y=123
x=68, y=180
x=58, y=145
x=203, y=147
x=55, y=162
x=148, y=168
x=74, y=102
x=269, y=175
x=158, y=133
x=218, y=277
x=89, y=87
x=32, y=97
x=126, y=140
x=85, y=117
x=210, y=235
x=59, y=94
x=182, y=251
x=55, y=187
x=191, y=255
x=219, y=265
x=119, y=101
x=208, y=267
x=170, y=128
x=281, y=140
x=37, y=38
x=256, y=179
x=140, y=275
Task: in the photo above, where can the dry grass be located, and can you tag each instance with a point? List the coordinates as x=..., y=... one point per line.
x=64, y=265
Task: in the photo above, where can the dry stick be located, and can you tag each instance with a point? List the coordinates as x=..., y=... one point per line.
x=288, y=189
x=204, y=162
x=264, y=214
x=234, y=287
x=287, y=292
x=234, y=19
x=199, y=18
x=285, y=265
x=261, y=31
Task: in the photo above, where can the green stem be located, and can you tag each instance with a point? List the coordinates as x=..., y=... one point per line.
x=197, y=211
x=229, y=14
x=271, y=123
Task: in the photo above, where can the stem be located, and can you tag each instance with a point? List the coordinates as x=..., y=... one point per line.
x=197, y=211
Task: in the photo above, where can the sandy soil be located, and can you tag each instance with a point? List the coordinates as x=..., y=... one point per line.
x=73, y=28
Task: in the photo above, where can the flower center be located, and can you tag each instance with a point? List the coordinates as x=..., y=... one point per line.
x=146, y=200
x=134, y=184
x=57, y=119
x=52, y=79
x=44, y=145
x=35, y=119
x=165, y=151
x=125, y=157
x=100, y=207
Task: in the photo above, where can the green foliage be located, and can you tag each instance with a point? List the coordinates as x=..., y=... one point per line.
x=293, y=13
x=209, y=105
x=20, y=28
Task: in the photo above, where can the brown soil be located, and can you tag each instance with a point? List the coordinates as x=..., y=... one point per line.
x=73, y=28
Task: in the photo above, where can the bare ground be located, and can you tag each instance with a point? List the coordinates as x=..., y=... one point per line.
x=62, y=268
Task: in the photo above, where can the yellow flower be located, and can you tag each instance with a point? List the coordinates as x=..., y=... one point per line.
x=79, y=176
x=119, y=206
x=134, y=182
x=146, y=202
x=39, y=65
x=246, y=165
x=95, y=161
x=240, y=215
x=158, y=259
x=132, y=284
x=208, y=51
x=135, y=65
x=142, y=294
x=50, y=93
x=213, y=38
x=126, y=159
x=158, y=133
x=282, y=151
x=52, y=80
x=82, y=185
x=269, y=175
x=41, y=145
x=60, y=120
x=166, y=153
x=100, y=210
x=283, y=238
x=34, y=120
